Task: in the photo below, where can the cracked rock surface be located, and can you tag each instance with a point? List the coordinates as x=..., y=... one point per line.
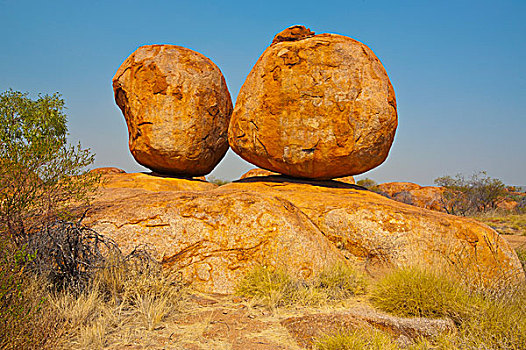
x=315, y=106
x=177, y=108
x=214, y=235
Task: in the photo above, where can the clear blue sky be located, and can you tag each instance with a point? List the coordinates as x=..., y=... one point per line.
x=458, y=69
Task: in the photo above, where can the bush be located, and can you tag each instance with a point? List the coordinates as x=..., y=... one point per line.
x=218, y=182
x=39, y=171
x=272, y=288
x=41, y=180
x=476, y=194
x=68, y=254
x=130, y=294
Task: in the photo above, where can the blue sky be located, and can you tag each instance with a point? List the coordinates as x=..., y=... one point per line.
x=458, y=69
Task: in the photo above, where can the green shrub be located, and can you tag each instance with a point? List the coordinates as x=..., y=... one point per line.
x=40, y=174
x=359, y=339
x=367, y=183
x=272, y=288
x=476, y=194
x=497, y=323
x=218, y=182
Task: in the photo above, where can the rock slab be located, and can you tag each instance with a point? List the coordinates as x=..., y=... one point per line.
x=177, y=107
x=383, y=233
x=306, y=329
x=213, y=238
x=315, y=106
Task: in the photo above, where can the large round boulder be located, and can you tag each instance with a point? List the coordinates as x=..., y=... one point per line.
x=315, y=106
x=177, y=107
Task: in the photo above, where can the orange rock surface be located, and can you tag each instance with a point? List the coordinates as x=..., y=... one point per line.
x=177, y=108
x=383, y=232
x=154, y=183
x=319, y=106
x=392, y=188
x=347, y=179
x=257, y=172
x=427, y=197
x=107, y=170
x=507, y=204
x=215, y=236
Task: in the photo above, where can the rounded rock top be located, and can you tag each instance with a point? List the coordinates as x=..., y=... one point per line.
x=177, y=108
x=315, y=106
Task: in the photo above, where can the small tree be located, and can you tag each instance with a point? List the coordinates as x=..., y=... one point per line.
x=40, y=174
x=476, y=194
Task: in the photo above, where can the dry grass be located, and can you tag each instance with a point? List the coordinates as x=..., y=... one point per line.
x=359, y=339
x=413, y=291
x=504, y=223
x=27, y=319
x=485, y=320
x=124, y=298
x=274, y=288
x=521, y=254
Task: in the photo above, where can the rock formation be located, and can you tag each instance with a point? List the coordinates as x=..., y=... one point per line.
x=315, y=106
x=107, y=170
x=392, y=188
x=215, y=236
x=257, y=172
x=428, y=197
x=154, y=183
x=262, y=172
x=177, y=108
x=308, y=328
x=382, y=232
x=212, y=237
x=347, y=179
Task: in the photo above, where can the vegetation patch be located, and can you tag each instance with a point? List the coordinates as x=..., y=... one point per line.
x=521, y=254
x=484, y=320
x=504, y=223
x=275, y=288
x=359, y=339
x=412, y=291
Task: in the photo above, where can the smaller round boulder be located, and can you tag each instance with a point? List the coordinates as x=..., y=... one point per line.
x=177, y=107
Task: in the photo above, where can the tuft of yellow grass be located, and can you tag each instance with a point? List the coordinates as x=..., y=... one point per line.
x=413, y=291
x=359, y=339
x=484, y=320
x=274, y=287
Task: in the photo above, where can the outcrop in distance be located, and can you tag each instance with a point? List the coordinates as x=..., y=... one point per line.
x=177, y=107
x=263, y=172
x=428, y=197
x=315, y=106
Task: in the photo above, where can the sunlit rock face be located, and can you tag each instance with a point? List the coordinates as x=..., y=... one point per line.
x=315, y=106
x=213, y=236
x=177, y=108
